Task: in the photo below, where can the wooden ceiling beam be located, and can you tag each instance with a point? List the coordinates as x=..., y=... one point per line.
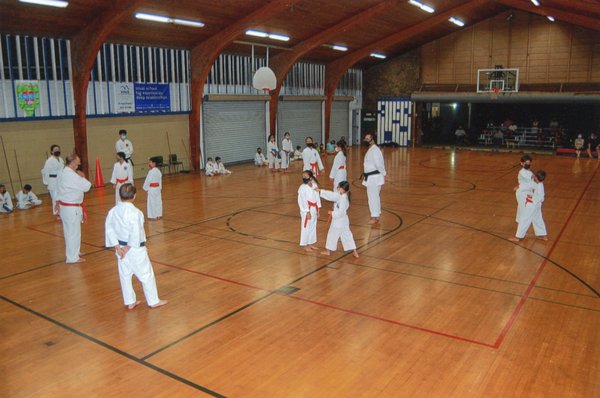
x=579, y=6
x=204, y=55
x=84, y=49
x=561, y=15
x=283, y=62
x=336, y=69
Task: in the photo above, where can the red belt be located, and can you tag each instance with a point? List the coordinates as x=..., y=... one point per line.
x=122, y=180
x=154, y=185
x=341, y=167
x=529, y=199
x=315, y=169
x=82, y=205
x=310, y=204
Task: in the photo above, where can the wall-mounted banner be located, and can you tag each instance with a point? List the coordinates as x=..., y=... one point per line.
x=124, y=98
x=150, y=97
x=28, y=95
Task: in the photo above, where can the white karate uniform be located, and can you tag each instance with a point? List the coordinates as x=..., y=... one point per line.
x=338, y=171
x=297, y=155
x=26, y=200
x=124, y=146
x=6, y=205
x=154, y=204
x=312, y=161
x=308, y=228
x=50, y=172
x=525, y=178
x=122, y=174
x=374, y=161
x=70, y=189
x=532, y=212
x=124, y=226
x=287, y=150
x=272, y=152
x=340, y=223
x=221, y=169
x=259, y=159
x=210, y=168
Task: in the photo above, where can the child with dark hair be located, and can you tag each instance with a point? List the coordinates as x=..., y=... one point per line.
x=340, y=223
x=259, y=158
x=309, y=203
x=532, y=211
x=153, y=185
x=27, y=199
x=124, y=230
x=221, y=167
x=6, y=205
x=122, y=173
x=524, y=178
x=210, y=168
x=338, y=171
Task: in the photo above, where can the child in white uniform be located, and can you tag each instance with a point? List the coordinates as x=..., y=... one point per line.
x=52, y=168
x=298, y=153
x=338, y=171
x=221, y=167
x=273, y=154
x=6, y=205
x=153, y=185
x=532, y=211
x=122, y=173
x=311, y=158
x=210, y=168
x=287, y=150
x=27, y=199
x=124, y=229
x=259, y=158
x=525, y=177
x=309, y=202
x=340, y=223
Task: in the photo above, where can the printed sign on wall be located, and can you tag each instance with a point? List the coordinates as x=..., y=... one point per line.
x=152, y=97
x=124, y=98
x=28, y=95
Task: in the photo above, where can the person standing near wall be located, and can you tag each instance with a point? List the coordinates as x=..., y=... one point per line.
x=125, y=146
x=374, y=176
x=52, y=168
x=70, y=188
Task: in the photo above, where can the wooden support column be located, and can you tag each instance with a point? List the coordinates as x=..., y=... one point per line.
x=84, y=48
x=335, y=70
x=203, y=57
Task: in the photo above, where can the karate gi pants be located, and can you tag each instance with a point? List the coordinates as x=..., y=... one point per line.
x=52, y=193
x=521, y=198
x=308, y=235
x=373, y=192
x=154, y=205
x=532, y=214
x=136, y=262
x=340, y=233
x=71, y=217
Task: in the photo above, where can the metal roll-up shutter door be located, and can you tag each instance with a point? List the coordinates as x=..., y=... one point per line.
x=301, y=119
x=233, y=129
x=339, y=123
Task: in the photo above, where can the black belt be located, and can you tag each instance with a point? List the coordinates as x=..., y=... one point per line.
x=371, y=173
x=130, y=161
x=52, y=175
x=122, y=243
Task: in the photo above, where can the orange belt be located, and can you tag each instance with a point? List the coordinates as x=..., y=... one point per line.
x=82, y=205
x=310, y=204
x=154, y=185
x=122, y=180
x=315, y=169
x=341, y=167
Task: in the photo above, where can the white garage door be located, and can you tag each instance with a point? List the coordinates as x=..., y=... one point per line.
x=301, y=119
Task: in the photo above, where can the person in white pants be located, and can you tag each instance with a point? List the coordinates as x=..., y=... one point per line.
x=532, y=211
x=340, y=223
x=525, y=177
x=338, y=171
x=287, y=151
x=309, y=203
x=70, y=189
x=374, y=176
x=122, y=173
x=27, y=199
x=124, y=230
x=6, y=205
x=153, y=185
x=311, y=158
x=52, y=168
x=273, y=154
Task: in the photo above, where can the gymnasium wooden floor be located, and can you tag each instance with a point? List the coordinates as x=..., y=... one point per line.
x=440, y=303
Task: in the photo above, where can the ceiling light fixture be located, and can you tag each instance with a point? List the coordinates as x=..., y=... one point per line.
x=456, y=21
x=164, y=19
x=378, y=55
x=260, y=33
x=550, y=18
x=256, y=33
x=535, y=3
x=339, y=47
x=50, y=3
x=422, y=6
x=276, y=36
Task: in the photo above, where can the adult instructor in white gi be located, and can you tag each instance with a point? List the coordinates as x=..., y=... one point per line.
x=70, y=187
x=374, y=176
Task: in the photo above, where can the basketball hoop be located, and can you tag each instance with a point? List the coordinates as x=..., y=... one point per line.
x=264, y=79
x=494, y=93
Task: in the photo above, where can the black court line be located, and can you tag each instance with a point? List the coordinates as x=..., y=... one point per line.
x=115, y=349
x=565, y=305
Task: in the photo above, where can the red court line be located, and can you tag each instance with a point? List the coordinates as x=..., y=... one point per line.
x=533, y=282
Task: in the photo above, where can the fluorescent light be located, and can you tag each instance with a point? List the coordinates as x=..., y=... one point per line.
x=279, y=37
x=151, y=17
x=422, y=6
x=535, y=3
x=550, y=18
x=456, y=21
x=50, y=3
x=257, y=33
x=378, y=55
x=339, y=47
x=188, y=22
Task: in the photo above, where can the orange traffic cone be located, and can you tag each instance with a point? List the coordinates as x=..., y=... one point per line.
x=99, y=179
